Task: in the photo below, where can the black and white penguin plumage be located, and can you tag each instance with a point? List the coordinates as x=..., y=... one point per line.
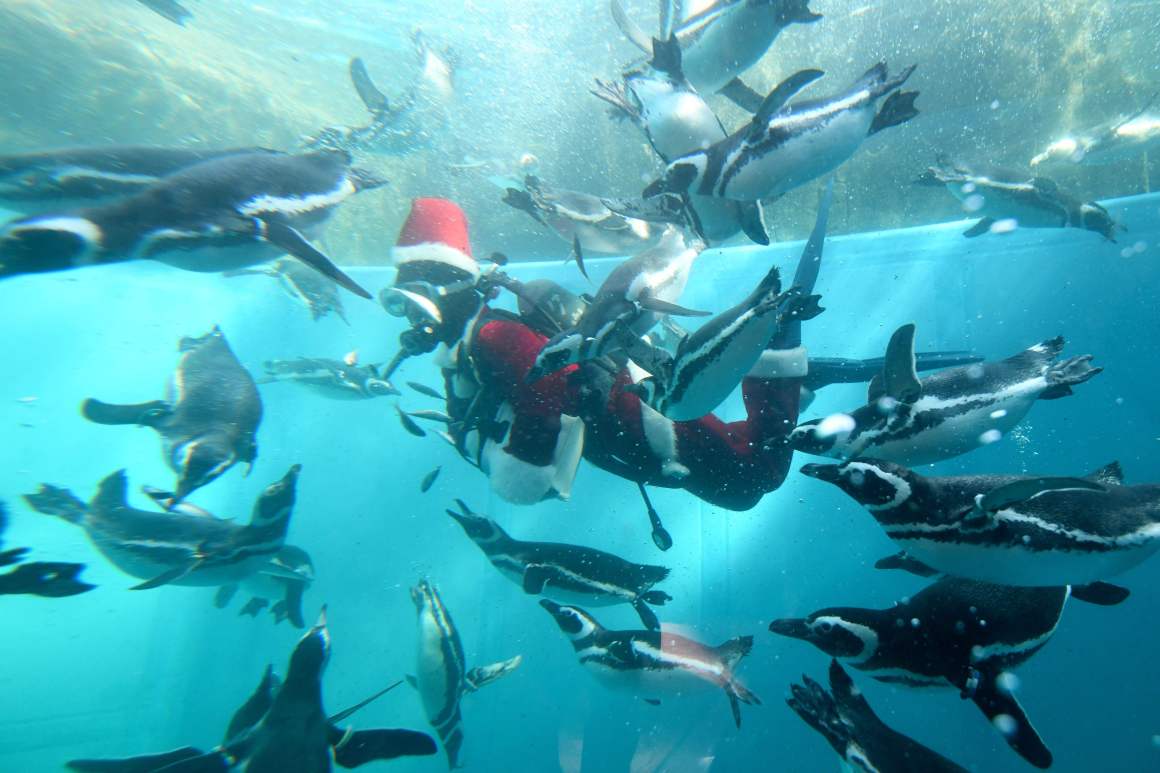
x=953, y=633
x=72, y=176
x=1010, y=529
x=209, y=419
x=654, y=663
x=1018, y=198
x=336, y=379
x=630, y=301
x=441, y=674
x=217, y=215
x=176, y=547
x=318, y=294
x=915, y=421
x=843, y=716
x=786, y=146
x=567, y=573
x=51, y=579
x=283, y=728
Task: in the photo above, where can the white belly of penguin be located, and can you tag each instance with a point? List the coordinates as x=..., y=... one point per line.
x=135, y=564
x=440, y=682
x=1011, y=565
x=650, y=682
x=603, y=597
x=680, y=123
x=804, y=157
x=996, y=204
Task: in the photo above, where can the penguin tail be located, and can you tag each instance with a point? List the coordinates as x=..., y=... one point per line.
x=149, y=414
x=52, y=500
x=897, y=109
x=293, y=603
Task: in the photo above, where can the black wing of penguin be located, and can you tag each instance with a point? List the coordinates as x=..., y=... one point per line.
x=39, y=578
x=282, y=728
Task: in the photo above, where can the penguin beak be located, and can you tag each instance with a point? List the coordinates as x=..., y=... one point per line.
x=827, y=472
x=794, y=627
x=551, y=606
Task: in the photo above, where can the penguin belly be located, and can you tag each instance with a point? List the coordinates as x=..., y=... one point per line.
x=1024, y=566
x=440, y=682
x=726, y=48
x=215, y=258
x=136, y=562
x=680, y=122
x=998, y=205
x=810, y=153
x=648, y=682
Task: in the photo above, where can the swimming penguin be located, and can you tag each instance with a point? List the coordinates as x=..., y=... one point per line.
x=1003, y=195
x=1123, y=138
x=723, y=40
x=31, y=182
x=583, y=218
x=220, y=214
x=654, y=663
x=710, y=362
x=629, y=302
x=953, y=633
x=286, y=578
x=163, y=548
x=418, y=119
x=283, y=728
x=170, y=9
x=52, y=579
x=567, y=573
x=209, y=419
x=844, y=718
x=336, y=379
x=317, y=293
x=1010, y=529
x=548, y=307
x=441, y=675
x=785, y=146
x=916, y=421
x=677, y=120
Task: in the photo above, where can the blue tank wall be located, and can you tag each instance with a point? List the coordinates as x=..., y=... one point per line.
x=116, y=672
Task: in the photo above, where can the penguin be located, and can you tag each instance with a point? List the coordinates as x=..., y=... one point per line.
x=50, y=579
x=1009, y=529
x=723, y=40
x=224, y=213
x=581, y=218
x=283, y=728
x=31, y=182
x=652, y=663
x=336, y=379
x=845, y=719
x=997, y=195
x=318, y=294
x=209, y=419
x=786, y=146
x=710, y=362
x=169, y=9
x=1123, y=138
x=567, y=573
x=630, y=301
x=953, y=633
x=441, y=675
x=916, y=421
x=417, y=120
x=676, y=120
x=163, y=548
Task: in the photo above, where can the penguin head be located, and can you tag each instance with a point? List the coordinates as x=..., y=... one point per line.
x=201, y=461
x=649, y=390
x=559, y=352
x=809, y=438
x=841, y=632
x=480, y=528
x=1093, y=217
x=875, y=484
x=276, y=503
x=573, y=621
x=425, y=596
x=548, y=308
x=47, y=243
x=311, y=653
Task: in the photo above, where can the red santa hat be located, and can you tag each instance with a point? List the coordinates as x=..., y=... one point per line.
x=435, y=232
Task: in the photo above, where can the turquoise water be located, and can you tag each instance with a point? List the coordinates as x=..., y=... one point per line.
x=115, y=672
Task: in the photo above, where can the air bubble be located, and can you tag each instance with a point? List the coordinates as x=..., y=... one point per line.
x=836, y=424
x=995, y=105
x=968, y=188
x=973, y=203
x=975, y=372
x=990, y=436
x=1007, y=682
x=1004, y=226
x=999, y=413
x=1005, y=724
x=914, y=622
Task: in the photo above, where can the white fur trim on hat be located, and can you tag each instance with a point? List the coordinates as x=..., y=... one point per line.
x=435, y=252
x=781, y=363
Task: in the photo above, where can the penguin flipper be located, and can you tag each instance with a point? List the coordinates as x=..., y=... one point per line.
x=224, y=594
x=752, y=221
x=292, y=603
x=664, y=307
x=536, y=576
x=899, y=376
x=1102, y=594
x=781, y=94
x=362, y=746
x=287, y=238
x=741, y=95
x=49, y=579
x=485, y=675
x=1022, y=490
x=907, y=563
x=1017, y=729
x=146, y=763
x=370, y=95
x=647, y=616
x=979, y=228
x=345, y=713
x=251, y=712
x=172, y=575
x=216, y=761
x=150, y=414
x=629, y=28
